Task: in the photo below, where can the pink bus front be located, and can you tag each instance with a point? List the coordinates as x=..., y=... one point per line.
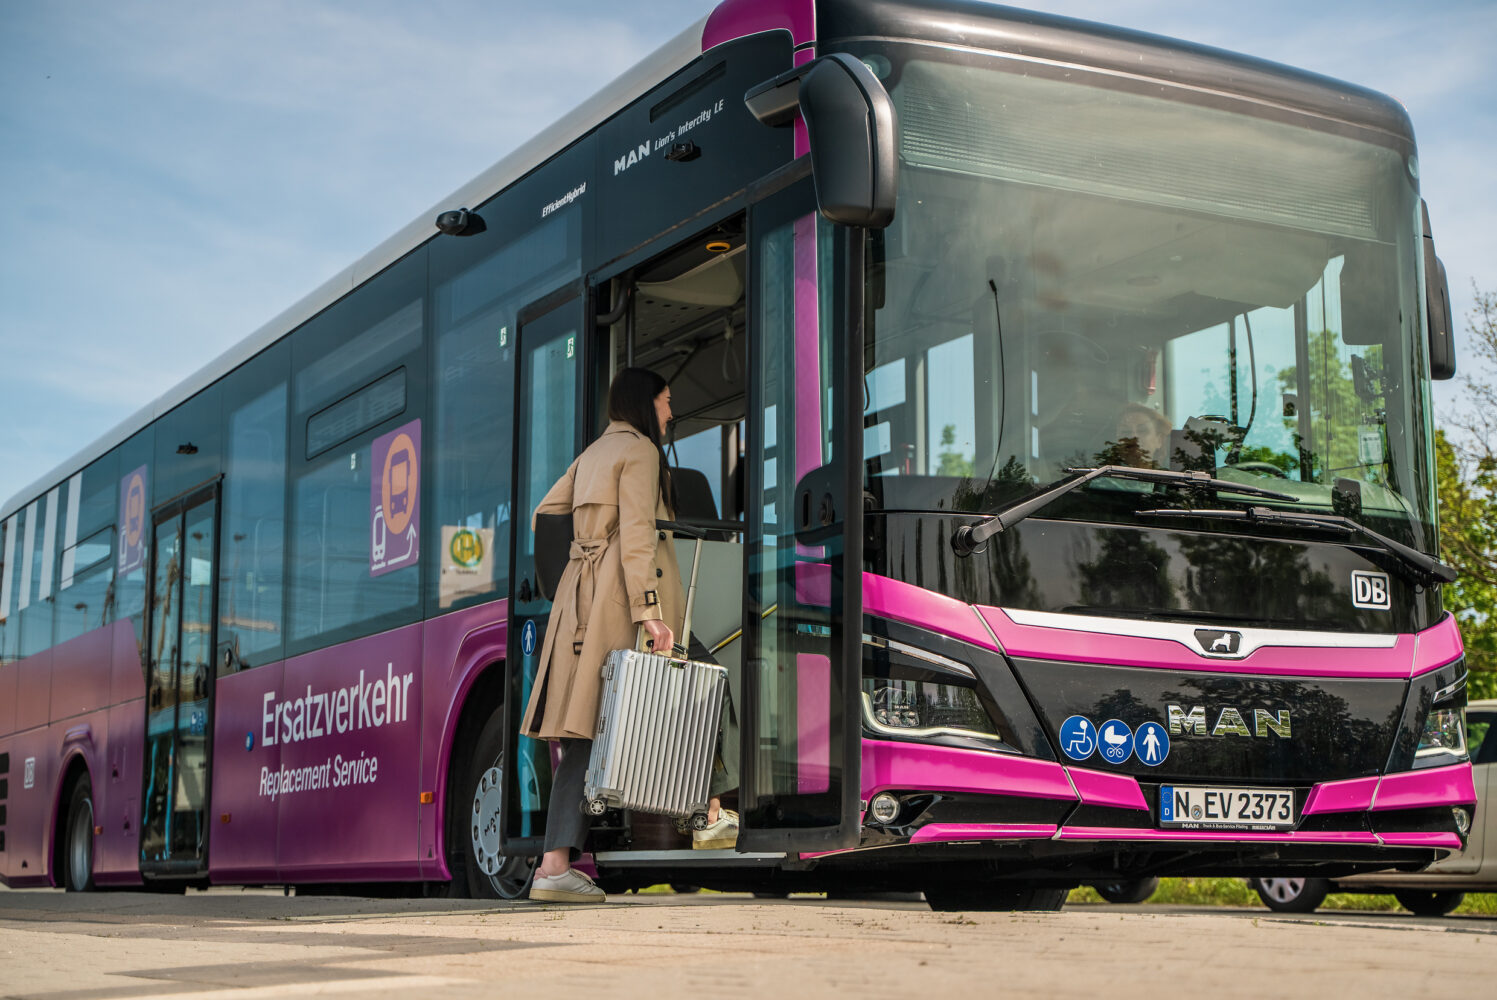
x=1054, y=400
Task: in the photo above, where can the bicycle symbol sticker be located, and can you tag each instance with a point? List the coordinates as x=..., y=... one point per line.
x=1078, y=737
x=1117, y=742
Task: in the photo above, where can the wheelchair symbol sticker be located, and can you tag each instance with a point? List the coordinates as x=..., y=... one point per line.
x=1078, y=737
x=527, y=637
x=1117, y=742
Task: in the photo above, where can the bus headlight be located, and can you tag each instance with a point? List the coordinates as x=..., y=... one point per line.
x=916, y=694
x=1444, y=734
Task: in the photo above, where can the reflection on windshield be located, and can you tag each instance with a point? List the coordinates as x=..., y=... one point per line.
x=1080, y=277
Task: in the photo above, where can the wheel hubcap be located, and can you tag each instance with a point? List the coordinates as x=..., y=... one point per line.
x=1283, y=890
x=509, y=875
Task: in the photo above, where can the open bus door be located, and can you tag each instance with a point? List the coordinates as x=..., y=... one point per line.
x=551, y=343
x=801, y=729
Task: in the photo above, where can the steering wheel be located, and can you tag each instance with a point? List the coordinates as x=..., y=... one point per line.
x=1264, y=468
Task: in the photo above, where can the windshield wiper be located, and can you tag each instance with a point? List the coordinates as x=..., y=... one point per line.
x=971, y=538
x=1417, y=566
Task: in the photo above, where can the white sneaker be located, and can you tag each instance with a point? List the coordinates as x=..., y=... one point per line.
x=571, y=886
x=718, y=836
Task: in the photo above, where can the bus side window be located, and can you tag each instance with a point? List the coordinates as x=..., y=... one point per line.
x=251, y=542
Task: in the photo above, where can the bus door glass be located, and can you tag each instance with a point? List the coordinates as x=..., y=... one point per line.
x=550, y=385
x=179, y=685
x=802, y=582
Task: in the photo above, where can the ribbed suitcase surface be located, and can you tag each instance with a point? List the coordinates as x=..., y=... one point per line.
x=657, y=732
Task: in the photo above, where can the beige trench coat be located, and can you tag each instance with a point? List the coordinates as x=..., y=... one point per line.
x=622, y=572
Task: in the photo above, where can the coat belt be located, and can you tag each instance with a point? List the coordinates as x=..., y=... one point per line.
x=586, y=553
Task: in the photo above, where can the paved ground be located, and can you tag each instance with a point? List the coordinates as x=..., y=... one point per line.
x=230, y=944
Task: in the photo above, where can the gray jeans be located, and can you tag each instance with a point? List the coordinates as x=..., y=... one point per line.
x=566, y=825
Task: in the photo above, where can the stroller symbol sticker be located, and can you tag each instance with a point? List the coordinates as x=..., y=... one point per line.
x=1117, y=742
x=1078, y=737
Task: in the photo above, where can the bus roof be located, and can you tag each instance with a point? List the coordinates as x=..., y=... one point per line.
x=1023, y=33
x=614, y=96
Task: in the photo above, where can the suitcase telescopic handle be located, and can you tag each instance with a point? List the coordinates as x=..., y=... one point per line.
x=685, y=530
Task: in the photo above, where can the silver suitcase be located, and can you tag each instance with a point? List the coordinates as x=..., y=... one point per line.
x=657, y=728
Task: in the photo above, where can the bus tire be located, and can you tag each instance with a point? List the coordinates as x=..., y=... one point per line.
x=490, y=875
x=1127, y=890
x=1429, y=902
x=995, y=897
x=78, y=846
x=1292, y=895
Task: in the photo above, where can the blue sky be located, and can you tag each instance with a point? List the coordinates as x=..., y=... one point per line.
x=175, y=173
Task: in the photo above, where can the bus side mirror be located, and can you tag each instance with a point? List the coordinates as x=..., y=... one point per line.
x=1437, y=307
x=851, y=126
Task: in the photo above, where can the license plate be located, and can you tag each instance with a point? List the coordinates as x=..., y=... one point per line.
x=1206, y=807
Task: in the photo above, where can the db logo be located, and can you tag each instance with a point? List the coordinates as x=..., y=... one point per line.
x=1370, y=590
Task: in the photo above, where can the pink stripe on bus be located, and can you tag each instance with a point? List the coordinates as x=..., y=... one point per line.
x=982, y=831
x=1435, y=786
x=920, y=767
x=1134, y=651
x=1421, y=839
x=1438, y=646
x=813, y=723
x=1293, y=836
x=1354, y=795
x=905, y=602
x=740, y=18
x=807, y=416
x=1102, y=788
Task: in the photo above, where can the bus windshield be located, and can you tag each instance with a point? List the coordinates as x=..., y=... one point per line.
x=1082, y=275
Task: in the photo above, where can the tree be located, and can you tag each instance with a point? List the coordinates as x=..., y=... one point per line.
x=1466, y=479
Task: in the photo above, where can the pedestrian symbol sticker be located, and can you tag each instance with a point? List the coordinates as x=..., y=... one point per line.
x=1078, y=737
x=527, y=637
x=395, y=500
x=1117, y=742
x=1151, y=743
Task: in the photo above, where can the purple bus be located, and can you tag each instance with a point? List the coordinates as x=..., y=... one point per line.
x=1054, y=400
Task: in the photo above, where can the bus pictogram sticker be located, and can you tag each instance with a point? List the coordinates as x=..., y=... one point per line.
x=395, y=500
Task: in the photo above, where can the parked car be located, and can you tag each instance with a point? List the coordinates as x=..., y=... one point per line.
x=1438, y=889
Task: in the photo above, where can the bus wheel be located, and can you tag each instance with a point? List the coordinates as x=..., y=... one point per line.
x=1428, y=902
x=491, y=875
x=1292, y=895
x=946, y=898
x=78, y=865
x=1127, y=890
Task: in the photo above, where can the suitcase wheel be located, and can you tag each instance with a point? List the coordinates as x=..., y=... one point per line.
x=595, y=807
x=699, y=821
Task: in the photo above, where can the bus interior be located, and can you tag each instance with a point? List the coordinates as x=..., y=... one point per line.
x=686, y=319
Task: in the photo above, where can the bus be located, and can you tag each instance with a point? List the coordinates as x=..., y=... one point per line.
x=1054, y=400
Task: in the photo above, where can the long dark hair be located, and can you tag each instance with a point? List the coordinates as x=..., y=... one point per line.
x=631, y=398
